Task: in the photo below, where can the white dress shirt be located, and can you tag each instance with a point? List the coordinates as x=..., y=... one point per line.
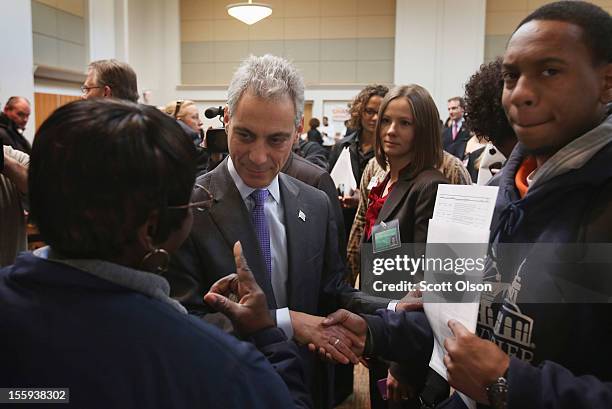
x=275, y=216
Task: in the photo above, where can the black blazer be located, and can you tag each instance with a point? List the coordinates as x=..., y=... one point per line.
x=315, y=268
x=456, y=147
x=412, y=202
x=311, y=174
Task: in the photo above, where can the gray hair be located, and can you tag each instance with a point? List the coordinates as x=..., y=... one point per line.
x=267, y=77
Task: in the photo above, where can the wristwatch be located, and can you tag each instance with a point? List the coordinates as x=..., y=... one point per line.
x=497, y=393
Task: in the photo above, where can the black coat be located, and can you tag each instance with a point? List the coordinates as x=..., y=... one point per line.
x=11, y=137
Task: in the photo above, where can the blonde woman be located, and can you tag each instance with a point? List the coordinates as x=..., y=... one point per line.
x=185, y=111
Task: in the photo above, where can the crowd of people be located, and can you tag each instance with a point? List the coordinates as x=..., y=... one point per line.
x=175, y=278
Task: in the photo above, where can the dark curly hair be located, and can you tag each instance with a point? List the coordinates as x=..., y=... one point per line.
x=358, y=104
x=484, y=113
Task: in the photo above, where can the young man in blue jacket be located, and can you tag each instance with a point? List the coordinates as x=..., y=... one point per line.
x=543, y=335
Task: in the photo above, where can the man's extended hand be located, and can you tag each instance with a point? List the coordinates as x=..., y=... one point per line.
x=351, y=325
x=340, y=345
x=473, y=363
x=250, y=314
x=413, y=301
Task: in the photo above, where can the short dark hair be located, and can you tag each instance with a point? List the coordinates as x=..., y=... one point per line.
x=459, y=99
x=99, y=168
x=314, y=123
x=357, y=106
x=596, y=24
x=117, y=75
x=427, y=145
x=484, y=112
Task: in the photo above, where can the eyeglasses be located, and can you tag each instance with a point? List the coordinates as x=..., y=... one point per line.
x=370, y=112
x=201, y=205
x=85, y=89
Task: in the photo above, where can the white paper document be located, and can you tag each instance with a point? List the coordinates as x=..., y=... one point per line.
x=462, y=214
x=469, y=205
x=342, y=173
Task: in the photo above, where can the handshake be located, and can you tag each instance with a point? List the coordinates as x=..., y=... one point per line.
x=339, y=337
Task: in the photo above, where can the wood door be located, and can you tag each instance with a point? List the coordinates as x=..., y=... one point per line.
x=45, y=104
x=307, y=114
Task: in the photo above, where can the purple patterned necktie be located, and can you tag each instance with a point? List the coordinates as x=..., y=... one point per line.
x=258, y=218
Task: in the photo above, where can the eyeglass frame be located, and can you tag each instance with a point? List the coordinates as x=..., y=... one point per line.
x=370, y=112
x=201, y=204
x=84, y=89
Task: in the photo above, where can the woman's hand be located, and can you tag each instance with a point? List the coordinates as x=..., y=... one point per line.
x=250, y=313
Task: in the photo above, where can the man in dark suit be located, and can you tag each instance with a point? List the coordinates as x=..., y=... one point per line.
x=455, y=137
x=311, y=174
x=286, y=227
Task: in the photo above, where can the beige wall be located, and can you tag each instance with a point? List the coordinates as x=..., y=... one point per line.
x=503, y=16
x=58, y=34
x=332, y=42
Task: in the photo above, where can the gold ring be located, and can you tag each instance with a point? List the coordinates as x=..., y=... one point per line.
x=337, y=341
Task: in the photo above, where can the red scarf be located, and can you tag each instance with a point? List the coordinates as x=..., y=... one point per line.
x=376, y=200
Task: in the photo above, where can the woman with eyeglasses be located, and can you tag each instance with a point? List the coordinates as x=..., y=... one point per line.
x=110, y=184
x=359, y=143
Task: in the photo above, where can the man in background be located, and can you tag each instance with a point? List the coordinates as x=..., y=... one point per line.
x=455, y=137
x=110, y=79
x=13, y=121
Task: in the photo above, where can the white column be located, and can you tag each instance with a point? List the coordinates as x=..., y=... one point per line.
x=101, y=29
x=439, y=44
x=154, y=47
x=122, y=30
x=16, y=69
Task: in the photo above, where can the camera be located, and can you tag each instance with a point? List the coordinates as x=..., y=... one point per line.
x=216, y=138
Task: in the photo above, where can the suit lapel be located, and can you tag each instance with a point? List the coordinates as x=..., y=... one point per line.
x=232, y=218
x=396, y=197
x=297, y=230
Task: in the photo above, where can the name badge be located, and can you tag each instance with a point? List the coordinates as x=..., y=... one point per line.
x=386, y=236
x=373, y=183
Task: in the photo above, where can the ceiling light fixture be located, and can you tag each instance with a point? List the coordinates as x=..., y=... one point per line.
x=249, y=13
